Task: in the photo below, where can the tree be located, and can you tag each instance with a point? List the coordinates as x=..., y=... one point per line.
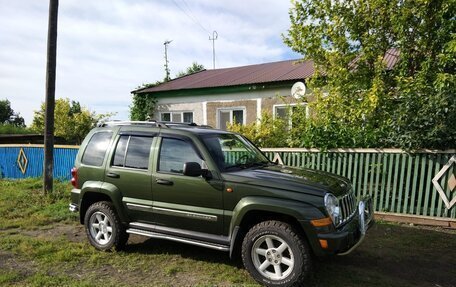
x=72, y=121
x=195, y=67
x=411, y=104
x=8, y=116
x=5, y=110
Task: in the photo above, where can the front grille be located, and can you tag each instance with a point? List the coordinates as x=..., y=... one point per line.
x=347, y=204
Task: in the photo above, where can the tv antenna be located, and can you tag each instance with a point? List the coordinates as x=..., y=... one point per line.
x=214, y=37
x=166, y=43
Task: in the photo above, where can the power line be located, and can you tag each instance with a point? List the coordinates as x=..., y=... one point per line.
x=193, y=18
x=193, y=15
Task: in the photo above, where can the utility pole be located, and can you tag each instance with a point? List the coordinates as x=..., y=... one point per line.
x=50, y=96
x=214, y=37
x=167, y=78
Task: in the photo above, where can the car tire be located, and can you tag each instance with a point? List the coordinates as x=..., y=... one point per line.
x=103, y=227
x=276, y=255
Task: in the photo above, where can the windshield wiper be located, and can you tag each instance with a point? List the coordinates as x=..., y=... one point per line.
x=248, y=165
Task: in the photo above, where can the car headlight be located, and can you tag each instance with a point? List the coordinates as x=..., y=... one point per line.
x=332, y=206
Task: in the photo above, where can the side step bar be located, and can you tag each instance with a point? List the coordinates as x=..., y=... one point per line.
x=178, y=239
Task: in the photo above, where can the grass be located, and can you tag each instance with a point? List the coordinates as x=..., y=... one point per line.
x=23, y=204
x=42, y=244
x=12, y=129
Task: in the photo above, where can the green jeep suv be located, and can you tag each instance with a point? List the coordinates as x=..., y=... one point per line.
x=214, y=189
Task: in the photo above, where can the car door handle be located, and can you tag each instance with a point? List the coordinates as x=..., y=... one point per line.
x=113, y=175
x=163, y=181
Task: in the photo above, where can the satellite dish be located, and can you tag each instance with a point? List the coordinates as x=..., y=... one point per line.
x=298, y=90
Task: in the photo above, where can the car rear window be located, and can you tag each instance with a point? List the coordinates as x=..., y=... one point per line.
x=96, y=149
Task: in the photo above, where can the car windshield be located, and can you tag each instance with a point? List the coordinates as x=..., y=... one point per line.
x=233, y=152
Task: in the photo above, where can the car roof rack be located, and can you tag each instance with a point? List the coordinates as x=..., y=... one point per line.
x=153, y=123
x=128, y=123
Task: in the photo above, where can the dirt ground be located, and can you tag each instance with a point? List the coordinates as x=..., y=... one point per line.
x=392, y=255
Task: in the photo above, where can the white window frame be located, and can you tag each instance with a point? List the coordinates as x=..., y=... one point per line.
x=290, y=123
x=231, y=109
x=177, y=112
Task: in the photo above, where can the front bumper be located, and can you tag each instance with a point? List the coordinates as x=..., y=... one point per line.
x=346, y=239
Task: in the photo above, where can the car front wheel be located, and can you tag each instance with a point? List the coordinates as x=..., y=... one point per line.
x=275, y=254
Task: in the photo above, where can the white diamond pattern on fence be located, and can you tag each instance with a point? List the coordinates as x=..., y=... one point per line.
x=22, y=161
x=451, y=183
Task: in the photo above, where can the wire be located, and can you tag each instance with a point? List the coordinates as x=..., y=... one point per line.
x=191, y=17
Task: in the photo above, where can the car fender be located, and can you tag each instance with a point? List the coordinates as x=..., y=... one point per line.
x=299, y=210
x=302, y=212
x=106, y=189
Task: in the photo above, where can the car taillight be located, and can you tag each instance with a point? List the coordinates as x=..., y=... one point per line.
x=74, y=177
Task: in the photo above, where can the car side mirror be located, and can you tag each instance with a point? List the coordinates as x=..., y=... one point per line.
x=194, y=169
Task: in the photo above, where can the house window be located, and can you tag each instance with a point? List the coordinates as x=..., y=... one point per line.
x=230, y=116
x=285, y=112
x=188, y=117
x=166, y=117
x=178, y=117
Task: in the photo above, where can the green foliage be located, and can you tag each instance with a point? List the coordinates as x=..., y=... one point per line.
x=269, y=132
x=5, y=110
x=326, y=131
x=143, y=105
x=71, y=121
x=195, y=67
x=412, y=105
x=8, y=116
x=13, y=129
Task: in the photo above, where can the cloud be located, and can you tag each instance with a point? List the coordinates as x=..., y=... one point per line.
x=108, y=48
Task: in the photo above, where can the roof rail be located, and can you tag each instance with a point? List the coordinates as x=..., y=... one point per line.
x=124, y=123
x=152, y=123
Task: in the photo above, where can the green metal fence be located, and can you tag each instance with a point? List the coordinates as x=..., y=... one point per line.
x=399, y=182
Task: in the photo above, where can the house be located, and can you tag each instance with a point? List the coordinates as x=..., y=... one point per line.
x=220, y=96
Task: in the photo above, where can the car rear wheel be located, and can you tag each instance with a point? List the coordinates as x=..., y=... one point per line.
x=103, y=227
x=275, y=254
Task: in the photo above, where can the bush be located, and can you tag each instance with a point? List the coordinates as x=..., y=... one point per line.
x=269, y=132
x=13, y=129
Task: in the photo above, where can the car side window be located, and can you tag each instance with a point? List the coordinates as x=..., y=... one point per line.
x=174, y=153
x=132, y=152
x=96, y=149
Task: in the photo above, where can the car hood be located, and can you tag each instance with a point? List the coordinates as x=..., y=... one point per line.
x=293, y=179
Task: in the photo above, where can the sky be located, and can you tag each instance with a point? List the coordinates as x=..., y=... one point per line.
x=105, y=49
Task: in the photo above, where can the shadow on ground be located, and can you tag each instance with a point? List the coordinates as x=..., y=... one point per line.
x=392, y=255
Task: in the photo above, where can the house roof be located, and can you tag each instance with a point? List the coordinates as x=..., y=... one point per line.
x=275, y=72
x=290, y=70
